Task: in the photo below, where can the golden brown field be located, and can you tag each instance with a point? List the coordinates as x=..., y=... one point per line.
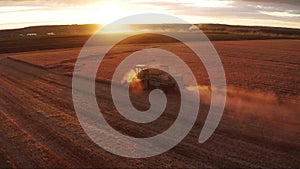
x=259, y=129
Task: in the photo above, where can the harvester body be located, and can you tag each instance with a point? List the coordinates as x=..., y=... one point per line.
x=156, y=78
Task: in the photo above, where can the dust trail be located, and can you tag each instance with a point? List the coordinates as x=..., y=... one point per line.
x=251, y=101
x=258, y=112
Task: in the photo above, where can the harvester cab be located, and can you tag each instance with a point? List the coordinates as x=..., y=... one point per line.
x=139, y=68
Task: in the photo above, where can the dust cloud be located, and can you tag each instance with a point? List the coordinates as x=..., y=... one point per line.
x=252, y=102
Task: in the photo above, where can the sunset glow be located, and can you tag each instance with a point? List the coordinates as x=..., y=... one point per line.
x=105, y=13
x=22, y=13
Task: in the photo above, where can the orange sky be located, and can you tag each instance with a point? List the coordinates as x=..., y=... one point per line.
x=22, y=13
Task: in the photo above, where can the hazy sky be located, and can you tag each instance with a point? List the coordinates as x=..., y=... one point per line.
x=21, y=13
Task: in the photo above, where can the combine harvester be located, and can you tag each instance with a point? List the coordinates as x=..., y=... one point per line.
x=151, y=78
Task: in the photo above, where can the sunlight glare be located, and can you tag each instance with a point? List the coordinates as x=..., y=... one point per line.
x=105, y=13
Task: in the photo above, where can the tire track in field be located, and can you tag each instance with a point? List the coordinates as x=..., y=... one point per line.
x=27, y=151
x=191, y=152
x=210, y=154
x=183, y=154
x=46, y=133
x=61, y=122
x=33, y=90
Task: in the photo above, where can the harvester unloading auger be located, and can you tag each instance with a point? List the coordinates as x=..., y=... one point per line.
x=151, y=78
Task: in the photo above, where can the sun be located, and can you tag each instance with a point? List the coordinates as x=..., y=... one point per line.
x=106, y=13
